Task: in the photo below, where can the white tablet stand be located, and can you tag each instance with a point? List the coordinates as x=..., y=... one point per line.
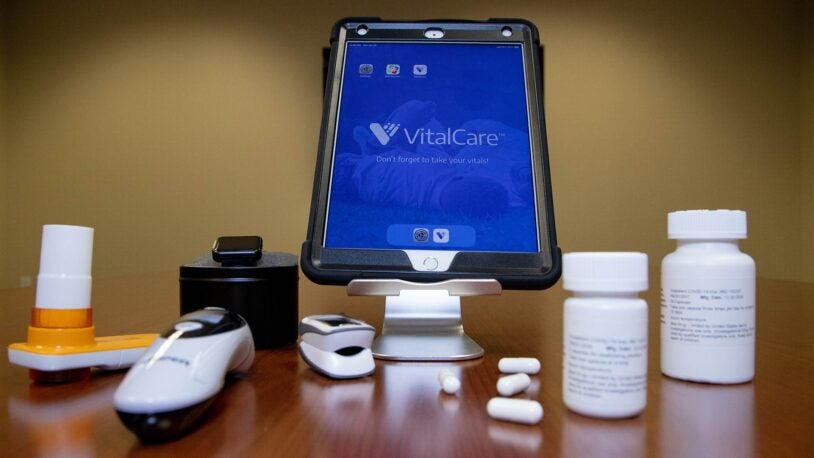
x=422, y=321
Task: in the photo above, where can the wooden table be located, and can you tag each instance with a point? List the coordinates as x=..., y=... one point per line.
x=282, y=408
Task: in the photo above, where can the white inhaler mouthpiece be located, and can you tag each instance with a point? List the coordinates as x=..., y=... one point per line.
x=64, y=280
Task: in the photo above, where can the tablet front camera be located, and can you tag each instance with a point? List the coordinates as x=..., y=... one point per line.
x=434, y=33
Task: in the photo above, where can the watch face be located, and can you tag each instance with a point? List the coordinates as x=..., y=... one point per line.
x=240, y=248
x=242, y=244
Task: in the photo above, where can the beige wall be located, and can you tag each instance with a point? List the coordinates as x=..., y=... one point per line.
x=166, y=124
x=807, y=128
x=5, y=224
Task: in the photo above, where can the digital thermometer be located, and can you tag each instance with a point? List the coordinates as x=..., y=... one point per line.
x=176, y=380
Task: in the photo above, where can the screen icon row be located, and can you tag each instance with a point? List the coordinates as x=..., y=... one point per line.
x=393, y=69
x=427, y=236
x=439, y=235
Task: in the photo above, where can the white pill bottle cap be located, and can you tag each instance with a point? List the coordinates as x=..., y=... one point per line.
x=605, y=272
x=707, y=224
x=64, y=280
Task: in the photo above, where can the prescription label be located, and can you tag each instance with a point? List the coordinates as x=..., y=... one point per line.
x=708, y=311
x=606, y=363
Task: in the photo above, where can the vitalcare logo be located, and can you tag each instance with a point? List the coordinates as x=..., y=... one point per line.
x=424, y=136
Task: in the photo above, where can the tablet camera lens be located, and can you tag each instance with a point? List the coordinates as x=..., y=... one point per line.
x=506, y=31
x=434, y=33
x=361, y=30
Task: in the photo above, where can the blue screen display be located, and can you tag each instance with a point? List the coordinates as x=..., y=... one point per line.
x=432, y=150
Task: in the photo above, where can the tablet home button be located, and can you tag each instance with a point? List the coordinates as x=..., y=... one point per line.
x=430, y=263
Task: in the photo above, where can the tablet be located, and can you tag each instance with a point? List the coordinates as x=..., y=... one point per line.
x=432, y=161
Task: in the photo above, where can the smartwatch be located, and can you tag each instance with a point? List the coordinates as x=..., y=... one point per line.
x=243, y=250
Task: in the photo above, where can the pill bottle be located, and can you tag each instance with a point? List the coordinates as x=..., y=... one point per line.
x=605, y=334
x=708, y=299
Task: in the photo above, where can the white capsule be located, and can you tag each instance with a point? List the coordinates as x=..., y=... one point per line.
x=515, y=365
x=449, y=382
x=512, y=384
x=516, y=410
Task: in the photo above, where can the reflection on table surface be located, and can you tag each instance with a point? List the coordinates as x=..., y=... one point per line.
x=707, y=412
x=62, y=424
x=283, y=408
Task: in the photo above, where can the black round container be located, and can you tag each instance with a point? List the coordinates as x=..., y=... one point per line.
x=264, y=294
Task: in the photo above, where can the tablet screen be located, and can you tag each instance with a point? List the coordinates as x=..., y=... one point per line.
x=432, y=149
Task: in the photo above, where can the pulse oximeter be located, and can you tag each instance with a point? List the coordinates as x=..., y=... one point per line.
x=337, y=346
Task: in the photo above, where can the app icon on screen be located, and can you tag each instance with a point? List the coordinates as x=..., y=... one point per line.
x=365, y=69
x=440, y=235
x=420, y=70
x=421, y=234
x=393, y=69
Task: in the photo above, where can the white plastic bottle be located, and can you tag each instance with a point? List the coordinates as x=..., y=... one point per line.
x=708, y=299
x=605, y=334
